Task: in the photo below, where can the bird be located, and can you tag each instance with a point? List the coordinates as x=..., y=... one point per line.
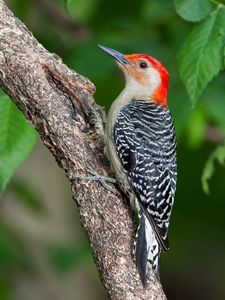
x=141, y=147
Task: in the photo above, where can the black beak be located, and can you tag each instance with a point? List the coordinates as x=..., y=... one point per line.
x=115, y=54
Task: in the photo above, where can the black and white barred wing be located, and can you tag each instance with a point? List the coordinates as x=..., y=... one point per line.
x=150, y=183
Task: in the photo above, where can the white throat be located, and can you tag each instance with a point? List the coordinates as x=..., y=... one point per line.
x=134, y=90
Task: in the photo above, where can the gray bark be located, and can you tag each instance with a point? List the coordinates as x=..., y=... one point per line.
x=59, y=103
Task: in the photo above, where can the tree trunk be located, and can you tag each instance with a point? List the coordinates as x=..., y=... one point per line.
x=59, y=103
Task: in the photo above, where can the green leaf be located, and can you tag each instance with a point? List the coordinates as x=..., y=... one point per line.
x=17, y=138
x=217, y=155
x=200, y=58
x=193, y=10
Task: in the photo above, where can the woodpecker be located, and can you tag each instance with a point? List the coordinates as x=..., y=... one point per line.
x=141, y=147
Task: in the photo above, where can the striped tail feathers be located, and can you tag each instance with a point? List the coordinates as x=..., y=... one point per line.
x=160, y=231
x=146, y=250
x=154, y=249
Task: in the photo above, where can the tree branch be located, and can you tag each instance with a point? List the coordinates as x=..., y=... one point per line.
x=58, y=102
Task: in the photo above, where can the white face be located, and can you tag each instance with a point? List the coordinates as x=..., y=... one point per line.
x=141, y=79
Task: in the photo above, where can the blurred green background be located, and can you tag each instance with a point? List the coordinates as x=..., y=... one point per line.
x=43, y=251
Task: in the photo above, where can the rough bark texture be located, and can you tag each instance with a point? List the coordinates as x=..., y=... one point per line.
x=59, y=104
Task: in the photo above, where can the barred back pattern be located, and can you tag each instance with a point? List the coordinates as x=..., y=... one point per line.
x=146, y=146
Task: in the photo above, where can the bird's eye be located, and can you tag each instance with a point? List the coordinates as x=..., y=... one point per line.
x=143, y=65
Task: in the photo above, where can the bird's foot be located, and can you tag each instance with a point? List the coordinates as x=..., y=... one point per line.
x=101, y=179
